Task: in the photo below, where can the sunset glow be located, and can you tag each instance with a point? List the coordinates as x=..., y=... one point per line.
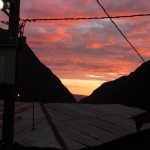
x=82, y=87
x=86, y=53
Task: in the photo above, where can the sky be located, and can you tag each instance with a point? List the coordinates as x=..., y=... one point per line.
x=86, y=53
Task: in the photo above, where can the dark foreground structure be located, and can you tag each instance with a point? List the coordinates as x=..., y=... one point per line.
x=135, y=141
x=81, y=126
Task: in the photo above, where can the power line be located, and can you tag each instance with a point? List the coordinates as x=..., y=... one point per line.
x=80, y=18
x=85, y=18
x=120, y=31
x=23, y=21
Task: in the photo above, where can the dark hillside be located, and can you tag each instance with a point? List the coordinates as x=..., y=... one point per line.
x=131, y=90
x=34, y=81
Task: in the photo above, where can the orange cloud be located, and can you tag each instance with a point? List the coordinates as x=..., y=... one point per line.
x=95, y=45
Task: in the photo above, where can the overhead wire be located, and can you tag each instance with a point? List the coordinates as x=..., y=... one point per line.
x=120, y=31
x=79, y=18
x=22, y=25
x=84, y=18
x=87, y=18
x=21, y=28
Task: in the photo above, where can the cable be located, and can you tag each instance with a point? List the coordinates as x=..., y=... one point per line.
x=120, y=31
x=79, y=18
x=21, y=28
x=85, y=18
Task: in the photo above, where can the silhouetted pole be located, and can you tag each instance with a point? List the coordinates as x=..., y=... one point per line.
x=9, y=94
x=33, y=118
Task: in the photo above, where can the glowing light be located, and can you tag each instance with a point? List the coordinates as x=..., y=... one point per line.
x=1, y=5
x=18, y=97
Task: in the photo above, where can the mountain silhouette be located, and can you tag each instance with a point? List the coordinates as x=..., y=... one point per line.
x=34, y=81
x=131, y=90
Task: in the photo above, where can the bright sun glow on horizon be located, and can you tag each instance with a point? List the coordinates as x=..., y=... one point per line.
x=81, y=87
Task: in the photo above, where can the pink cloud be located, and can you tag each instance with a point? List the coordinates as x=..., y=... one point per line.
x=75, y=49
x=98, y=45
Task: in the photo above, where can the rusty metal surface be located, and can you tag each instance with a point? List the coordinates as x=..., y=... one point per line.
x=80, y=125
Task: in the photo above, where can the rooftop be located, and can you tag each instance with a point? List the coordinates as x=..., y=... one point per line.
x=79, y=125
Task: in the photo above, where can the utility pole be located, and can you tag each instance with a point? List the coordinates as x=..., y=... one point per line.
x=9, y=80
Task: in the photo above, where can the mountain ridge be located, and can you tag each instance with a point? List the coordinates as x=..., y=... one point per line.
x=130, y=90
x=35, y=81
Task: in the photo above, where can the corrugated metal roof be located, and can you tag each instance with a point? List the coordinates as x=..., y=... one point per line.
x=79, y=125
